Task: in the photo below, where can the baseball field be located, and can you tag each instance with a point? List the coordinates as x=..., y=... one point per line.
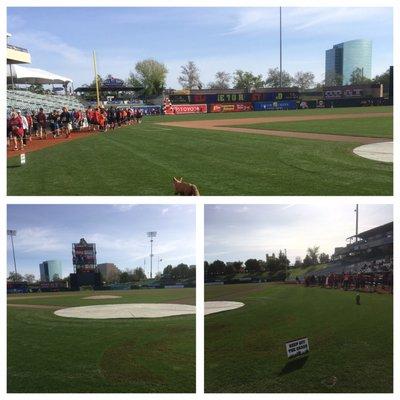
x=301, y=152
x=48, y=353
x=351, y=346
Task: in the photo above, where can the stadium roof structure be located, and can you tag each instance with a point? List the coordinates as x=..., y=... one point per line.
x=24, y=75
x=109, y=89
x=374, y=231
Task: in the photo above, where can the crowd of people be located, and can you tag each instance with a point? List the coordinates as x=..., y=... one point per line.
x=22, y=127
x=369, y=281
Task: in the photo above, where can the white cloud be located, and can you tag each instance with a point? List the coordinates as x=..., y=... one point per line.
x=37, y=239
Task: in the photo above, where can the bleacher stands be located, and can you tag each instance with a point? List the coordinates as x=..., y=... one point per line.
x=26, y=101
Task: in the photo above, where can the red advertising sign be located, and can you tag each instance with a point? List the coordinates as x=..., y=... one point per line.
x=234, y=107
x=189, y=108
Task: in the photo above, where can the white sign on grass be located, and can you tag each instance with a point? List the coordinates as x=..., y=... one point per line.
x=23, y=159
x=297, y=347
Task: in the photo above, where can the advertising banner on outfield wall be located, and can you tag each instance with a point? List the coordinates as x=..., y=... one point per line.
x=274, y=96
x=275, y=105
x=189, y=108
x=235, y=107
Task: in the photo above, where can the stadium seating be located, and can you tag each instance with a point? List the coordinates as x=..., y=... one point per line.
x=370, y=266
x=28, y=101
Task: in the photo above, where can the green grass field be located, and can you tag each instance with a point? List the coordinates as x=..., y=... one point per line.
x=50, y=354
x=141, y=160
x=371, y=127
x=245, y=348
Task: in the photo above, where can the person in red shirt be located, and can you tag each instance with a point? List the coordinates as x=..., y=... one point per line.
x=17, y=130
x=96, y=119
x=90, y=118
x=42, y=121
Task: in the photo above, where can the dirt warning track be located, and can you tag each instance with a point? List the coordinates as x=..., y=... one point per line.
x=230, y=125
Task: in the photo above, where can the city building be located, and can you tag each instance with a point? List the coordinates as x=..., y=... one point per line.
x=109, y=271
x=344, y=58
x=50, y=270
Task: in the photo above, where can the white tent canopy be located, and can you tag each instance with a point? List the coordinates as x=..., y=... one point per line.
x=24, y=75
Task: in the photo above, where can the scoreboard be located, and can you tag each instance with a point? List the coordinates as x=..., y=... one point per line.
x=84, y=255
x=233, y=97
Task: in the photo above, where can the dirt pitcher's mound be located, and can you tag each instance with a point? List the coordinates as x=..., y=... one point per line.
x=211, y=307
x=102, y=297
x=136, y=310
x=376, y=151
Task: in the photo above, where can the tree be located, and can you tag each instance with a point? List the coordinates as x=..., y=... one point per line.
x=181, y=271
x=357, y=77
x=217, y=267
x=334, y=80
x=151, y=75
x=124, y=277
x=312, y=252
x=138, y=274
x=192, y=271
x=167, y=270
x=273, y=78
x=237, y=265
x=383, y=79
x=93, y=84
x=190, y=76
x=206, y=268
x=298, y=263
x=304, y=80
x=252, y=266
x=307, y=261
x=36, y=88
x=158, y=276
x=246, y=80
x=15, y=277
x=30, y=278
x=324, y=258
x=222, y=81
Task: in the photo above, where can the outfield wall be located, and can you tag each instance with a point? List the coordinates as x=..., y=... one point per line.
x=269, y=99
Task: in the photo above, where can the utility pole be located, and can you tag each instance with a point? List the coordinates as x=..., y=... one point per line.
x=356, y=211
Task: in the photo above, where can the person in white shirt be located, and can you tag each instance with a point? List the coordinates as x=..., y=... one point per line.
x=25, y=126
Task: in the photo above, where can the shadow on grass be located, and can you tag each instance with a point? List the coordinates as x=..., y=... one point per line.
x=293, y=365
x=13, y=166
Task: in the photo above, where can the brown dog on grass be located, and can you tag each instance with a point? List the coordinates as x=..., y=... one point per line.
x=184, y=188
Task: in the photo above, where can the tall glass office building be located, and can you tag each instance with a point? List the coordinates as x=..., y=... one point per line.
x=344, y=58
x=50, y=270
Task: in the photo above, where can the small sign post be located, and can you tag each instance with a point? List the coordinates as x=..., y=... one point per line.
x=23, y=159
x=297, y=347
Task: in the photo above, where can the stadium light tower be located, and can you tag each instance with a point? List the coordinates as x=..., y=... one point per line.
x=151, y=235
x=12, y=233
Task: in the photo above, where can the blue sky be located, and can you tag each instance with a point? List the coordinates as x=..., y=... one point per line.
x=62, y=39
x=47, y=232
x=240, y=232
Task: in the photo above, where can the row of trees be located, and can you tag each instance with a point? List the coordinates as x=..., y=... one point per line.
x=274, y=265
x=180, y=272
x=151, y=76
x=357, y=78
x=313, y=257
